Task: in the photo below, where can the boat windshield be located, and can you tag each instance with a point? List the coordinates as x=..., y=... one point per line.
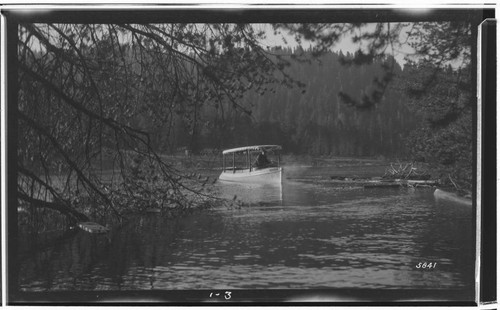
x=251, y=157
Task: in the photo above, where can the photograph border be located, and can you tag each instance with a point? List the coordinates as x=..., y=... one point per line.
x=485, y=180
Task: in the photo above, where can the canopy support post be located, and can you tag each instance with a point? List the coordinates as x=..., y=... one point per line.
x=248, y=161
x=234, y=166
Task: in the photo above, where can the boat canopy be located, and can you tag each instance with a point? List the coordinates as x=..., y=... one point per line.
x=253, y=148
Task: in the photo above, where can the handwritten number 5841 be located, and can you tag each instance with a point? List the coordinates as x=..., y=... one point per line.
x=426, y=265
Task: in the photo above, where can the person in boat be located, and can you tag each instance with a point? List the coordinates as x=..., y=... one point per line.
x=261, y=161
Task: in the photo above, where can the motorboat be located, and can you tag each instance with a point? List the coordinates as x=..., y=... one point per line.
x=250, y=164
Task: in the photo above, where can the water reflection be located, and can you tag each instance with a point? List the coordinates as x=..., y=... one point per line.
x=251, y=193
x=299, y=235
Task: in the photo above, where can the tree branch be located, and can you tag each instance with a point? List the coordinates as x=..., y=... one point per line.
x=73, y=214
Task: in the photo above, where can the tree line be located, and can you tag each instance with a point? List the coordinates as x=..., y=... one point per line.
x=313, y=119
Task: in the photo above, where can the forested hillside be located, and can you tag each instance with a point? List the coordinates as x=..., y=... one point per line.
x=311, y=119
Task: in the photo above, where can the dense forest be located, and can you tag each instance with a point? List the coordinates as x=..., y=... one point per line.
x=311, y=119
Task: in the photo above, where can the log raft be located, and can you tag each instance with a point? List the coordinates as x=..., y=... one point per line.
x=384, y=183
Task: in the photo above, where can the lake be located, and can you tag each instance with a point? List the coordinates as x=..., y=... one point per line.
x=309, y=233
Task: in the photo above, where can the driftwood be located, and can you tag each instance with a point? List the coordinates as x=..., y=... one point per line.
x=406, y=171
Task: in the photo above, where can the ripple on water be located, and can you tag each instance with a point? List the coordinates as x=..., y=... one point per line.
x=313, y=236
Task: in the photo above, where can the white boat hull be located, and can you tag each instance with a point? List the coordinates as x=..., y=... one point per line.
x=265, y=176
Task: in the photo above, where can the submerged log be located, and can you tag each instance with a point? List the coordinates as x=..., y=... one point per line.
x=382, y=185
x=92, y=228
x=443, y=195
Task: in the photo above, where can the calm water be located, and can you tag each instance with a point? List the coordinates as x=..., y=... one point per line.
x=306, y=234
